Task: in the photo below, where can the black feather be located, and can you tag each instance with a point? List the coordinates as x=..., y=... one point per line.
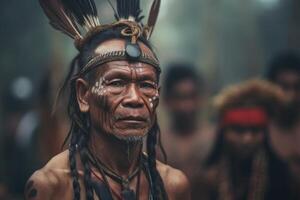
x=83, y=11
x=117, y=17
x=58, y=18
x=129, y=8
x=153, y=15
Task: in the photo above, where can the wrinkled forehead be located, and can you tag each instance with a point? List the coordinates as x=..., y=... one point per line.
x=124, y=65
x=119, y=45
x=127, y=69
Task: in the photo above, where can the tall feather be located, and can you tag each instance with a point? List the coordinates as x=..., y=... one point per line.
x=117, y=17
x=58, y=18
x=129, y=9
x=153, y=15
x=83, y=11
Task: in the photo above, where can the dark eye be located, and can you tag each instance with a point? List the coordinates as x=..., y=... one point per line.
x=147, y=85
x=117, y=83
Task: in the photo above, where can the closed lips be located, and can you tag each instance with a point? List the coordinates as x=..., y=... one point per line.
x=132, y=118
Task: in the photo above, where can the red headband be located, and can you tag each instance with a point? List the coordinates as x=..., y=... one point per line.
x=245, y=116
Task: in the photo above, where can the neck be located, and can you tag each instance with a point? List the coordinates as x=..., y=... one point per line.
x=120, y=156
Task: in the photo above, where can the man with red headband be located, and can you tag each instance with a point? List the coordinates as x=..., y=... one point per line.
x=242, y=164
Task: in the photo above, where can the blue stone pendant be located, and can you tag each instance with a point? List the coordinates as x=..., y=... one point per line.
x=133, y=51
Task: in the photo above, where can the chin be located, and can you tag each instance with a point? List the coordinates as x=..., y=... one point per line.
x=131, y=139
x=131, y=135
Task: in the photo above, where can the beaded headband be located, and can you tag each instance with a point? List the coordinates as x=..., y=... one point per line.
x=118, y=55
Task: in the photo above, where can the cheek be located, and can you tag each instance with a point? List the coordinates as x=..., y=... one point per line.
x=100, y=95
x=101, y=109
x=152, y=102
x=102, y=118
x=232, y=138
x=98, y=88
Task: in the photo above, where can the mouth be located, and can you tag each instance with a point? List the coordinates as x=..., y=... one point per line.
x=132, y=119
x=132, y=125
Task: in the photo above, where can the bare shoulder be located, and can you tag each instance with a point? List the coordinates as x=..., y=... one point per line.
x=41, y=185
x=175, y=181
x=46, y=182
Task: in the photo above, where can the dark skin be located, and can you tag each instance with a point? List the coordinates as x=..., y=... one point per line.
x=183, y=104
x=186, y=141
x=122, y=108
x=241, y=144
x=130, y=94
x=289, y=81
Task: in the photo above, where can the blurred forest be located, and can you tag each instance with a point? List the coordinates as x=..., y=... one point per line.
x=230, y=40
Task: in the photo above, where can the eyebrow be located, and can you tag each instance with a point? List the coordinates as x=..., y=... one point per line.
x=126, y=75
x=147, y=76
x=118, y=73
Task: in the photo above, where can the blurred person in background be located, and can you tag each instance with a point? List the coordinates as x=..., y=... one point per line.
x=187, y=139
x=53, y=123
x=33, y=134
x=242, y=164
x=17, y=103
x=284, y=71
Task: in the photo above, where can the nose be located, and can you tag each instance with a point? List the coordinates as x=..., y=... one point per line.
x=132, y=98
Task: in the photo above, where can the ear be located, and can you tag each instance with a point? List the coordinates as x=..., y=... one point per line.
x=82, y=94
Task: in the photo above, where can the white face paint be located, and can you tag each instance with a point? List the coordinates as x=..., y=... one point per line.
x=151, y=102
x=99, y=88
x=153, y=99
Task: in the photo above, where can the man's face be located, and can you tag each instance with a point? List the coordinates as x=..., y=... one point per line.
x=184, y=101
x=289, y=81
x=123, y=99
x=242, y=141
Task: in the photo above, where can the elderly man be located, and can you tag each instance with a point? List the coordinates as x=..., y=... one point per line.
x=114, y=92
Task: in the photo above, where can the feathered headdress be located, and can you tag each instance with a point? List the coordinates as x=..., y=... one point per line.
x=79, y=18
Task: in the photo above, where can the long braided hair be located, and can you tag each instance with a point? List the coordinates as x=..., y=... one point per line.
x=157, y=189
x=79, y=130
